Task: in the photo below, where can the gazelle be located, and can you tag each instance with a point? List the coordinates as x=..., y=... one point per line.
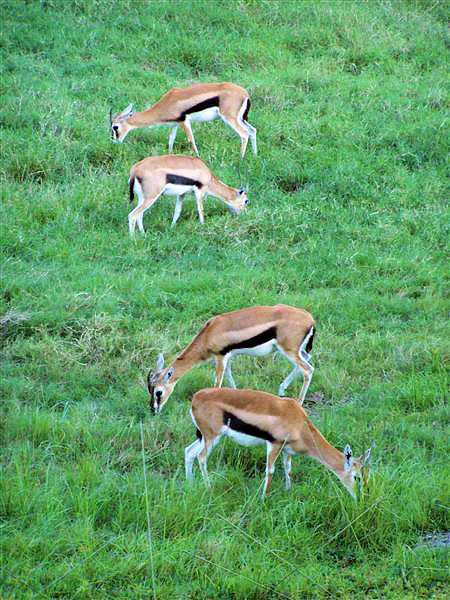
x=181, y=106
x=257, y=331
x=173, y=175
x=251, y=418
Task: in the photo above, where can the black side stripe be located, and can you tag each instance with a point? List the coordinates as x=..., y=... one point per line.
x=181, y=180
x=236, y=424
x=209, y=103
x=257, y=340
x=309, y=345
x=198, y=433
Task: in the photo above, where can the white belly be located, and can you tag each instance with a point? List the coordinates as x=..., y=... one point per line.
x=175, y=189
x=209, y=114
x=260, y=350
x=241, y=438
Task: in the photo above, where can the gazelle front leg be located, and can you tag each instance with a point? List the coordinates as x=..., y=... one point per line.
x=229, y=375
x=172, y=136
x=199, y=199
x=177, y=211
x=272, y=453
x=221, y=364
x=186, y=125
x=287, y=460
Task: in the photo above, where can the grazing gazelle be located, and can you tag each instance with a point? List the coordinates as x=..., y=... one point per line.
x=181, y=106
x=173, y=175
x=257, y=331
x=251, y=418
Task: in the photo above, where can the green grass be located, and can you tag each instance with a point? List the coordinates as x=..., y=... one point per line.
x=348, y=219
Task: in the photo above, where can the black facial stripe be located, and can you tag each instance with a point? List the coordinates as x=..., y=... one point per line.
x=150, y=385
x=181, y=180
x=257, y=340
x=209, y=103
x=198, y=433
x=236, y=424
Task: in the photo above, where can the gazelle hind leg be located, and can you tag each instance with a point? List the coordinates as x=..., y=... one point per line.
x=190, y=454
x=203, y=457
x=137, y=188
x=186, y=125
x=137, y=214
x=308, y=371
x=252, y=133
x=145, y=200
x=250, y=129
x=242, y=132
x=302, y=365
x=287, y=382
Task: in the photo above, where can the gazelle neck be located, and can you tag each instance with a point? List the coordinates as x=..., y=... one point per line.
x=324, y=452
x=221, y=190
x=187, y=360
x=145, y=118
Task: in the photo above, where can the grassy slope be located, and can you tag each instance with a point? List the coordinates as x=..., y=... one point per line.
x=347, y=219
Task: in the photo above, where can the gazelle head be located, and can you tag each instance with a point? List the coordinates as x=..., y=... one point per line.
x=160, y=385
x=356, y=471
x=240, y=202
x=119, y=125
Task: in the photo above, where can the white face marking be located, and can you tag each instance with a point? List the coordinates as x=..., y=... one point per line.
x=209, y=114
x=241, y=438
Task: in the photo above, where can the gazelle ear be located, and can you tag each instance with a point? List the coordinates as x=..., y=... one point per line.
x=160, y=362
x=348, y=458
x=126, y=113
x=368, y=455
